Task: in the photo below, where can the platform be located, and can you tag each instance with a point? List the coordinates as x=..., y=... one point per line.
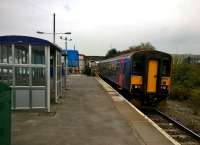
x=90, y=113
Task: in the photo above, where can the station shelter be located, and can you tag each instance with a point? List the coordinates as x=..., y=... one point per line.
x=32, y=68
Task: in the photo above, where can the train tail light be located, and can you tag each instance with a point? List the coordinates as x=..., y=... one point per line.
x=164, y=87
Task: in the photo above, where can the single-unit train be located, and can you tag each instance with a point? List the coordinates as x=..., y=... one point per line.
x=145, y=74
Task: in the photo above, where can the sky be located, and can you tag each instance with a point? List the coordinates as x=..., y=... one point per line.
x=171, y=26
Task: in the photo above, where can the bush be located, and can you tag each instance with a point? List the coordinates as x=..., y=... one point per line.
x=180, y=93
x=186, y=81
x=89, y=72
x=195, y=100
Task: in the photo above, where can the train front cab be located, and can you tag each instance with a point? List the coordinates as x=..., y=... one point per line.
x=150, y=80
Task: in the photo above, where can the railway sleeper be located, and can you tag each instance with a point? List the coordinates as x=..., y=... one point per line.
x=190, y=143
x=165, y=125
x=172, y=131
x=182, y=137
x=159, y=120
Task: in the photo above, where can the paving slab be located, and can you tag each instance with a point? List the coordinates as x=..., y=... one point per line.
x=85, y=116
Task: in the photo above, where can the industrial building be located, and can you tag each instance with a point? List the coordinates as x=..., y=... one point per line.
x=82, y=63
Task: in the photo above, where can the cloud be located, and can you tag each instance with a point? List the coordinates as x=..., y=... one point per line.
x=67, y=7
x=95, y=24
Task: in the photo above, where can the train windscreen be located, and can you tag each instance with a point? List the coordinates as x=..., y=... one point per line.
x=166, y=67
x=138, y=65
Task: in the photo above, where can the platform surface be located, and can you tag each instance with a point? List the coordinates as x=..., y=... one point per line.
x=87, y=115
x=146, y=130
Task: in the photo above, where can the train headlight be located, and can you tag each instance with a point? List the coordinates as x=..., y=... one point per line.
x=137, y=86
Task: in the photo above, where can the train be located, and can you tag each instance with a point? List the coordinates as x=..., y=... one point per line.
x=144, y=74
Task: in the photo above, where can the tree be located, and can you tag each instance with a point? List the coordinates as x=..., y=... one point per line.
x=111, y=53
x=142, y=46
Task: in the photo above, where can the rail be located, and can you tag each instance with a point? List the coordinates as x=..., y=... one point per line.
x=181, y=126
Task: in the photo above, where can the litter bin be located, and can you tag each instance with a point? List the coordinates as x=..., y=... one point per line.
x=5, y=114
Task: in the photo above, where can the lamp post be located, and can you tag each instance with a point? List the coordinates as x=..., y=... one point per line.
x=54, y=29
x=40, y=32
x=66, y=39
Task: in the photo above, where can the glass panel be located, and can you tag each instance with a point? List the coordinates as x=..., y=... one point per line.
x=52, y=70
x=22, y=76
x=21, y=54
x=6, y=53
x=22, y=98
x=38, y=55
x=59, y=71
x=59, y=66
x=58, y=58
x=38, y=77
x=6, y=75
x=38, y=98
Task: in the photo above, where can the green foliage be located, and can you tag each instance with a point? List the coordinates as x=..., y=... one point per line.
x=142, y=46
x=186, y=75
x=92, y=72
x=186, y=84
x=111, y=53
x=88, y=71
x=180, y=93
x=195, y=100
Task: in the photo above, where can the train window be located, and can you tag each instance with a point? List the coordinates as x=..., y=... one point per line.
x=138, y=65
x=166, y=68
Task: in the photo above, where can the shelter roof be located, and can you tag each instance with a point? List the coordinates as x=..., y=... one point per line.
x=18, y=39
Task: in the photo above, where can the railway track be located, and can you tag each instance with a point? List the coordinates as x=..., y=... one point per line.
x=176, y=130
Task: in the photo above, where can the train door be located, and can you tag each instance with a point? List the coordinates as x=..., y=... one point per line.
x=152, y=76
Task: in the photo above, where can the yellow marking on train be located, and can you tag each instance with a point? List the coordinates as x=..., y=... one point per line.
x=152, y=76
x=136, y=80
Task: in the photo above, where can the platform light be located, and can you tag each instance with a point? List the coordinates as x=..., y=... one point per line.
x=54, y=33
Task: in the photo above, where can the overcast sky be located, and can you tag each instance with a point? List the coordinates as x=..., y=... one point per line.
x=97, y=25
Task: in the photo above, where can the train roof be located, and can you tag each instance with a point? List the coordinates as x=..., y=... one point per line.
x=130, y=54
